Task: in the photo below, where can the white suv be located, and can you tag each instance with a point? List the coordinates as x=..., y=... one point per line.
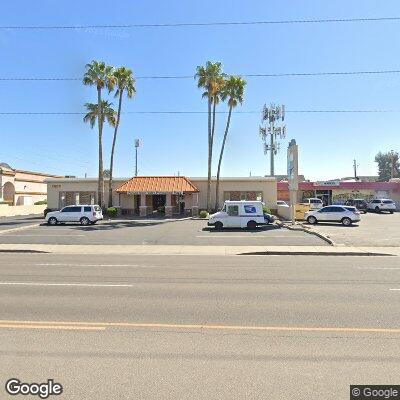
x=85, y=214
x=379, y=205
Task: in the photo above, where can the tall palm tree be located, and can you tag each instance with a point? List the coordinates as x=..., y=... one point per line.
x=125, y=82
x=210, y=78
x=100, y=75
x=232, y=91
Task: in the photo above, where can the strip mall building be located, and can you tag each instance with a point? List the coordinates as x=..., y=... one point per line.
x=178, y=194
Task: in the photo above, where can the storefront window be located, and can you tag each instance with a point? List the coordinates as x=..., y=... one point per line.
x=249, y=196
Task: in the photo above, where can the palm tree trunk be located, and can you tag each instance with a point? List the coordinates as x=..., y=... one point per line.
x=100, y=185
x=113, y=149
x=209, y=156
x=220, y=158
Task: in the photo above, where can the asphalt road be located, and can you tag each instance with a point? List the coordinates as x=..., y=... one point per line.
x=243, y=327
x=7, y=223
x=374, y=230
x=185, y=232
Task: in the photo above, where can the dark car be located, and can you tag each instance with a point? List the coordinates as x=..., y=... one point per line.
x=360, y=204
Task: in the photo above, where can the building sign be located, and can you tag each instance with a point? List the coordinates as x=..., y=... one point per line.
x=327, y=183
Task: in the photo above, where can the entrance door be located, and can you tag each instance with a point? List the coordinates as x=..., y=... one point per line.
x=159, y=201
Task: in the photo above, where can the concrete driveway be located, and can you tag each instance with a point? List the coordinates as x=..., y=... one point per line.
x=374, y=230
x=184, y=232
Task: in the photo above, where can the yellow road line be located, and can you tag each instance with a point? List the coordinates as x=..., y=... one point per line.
x=60, y=327
x=132, y=325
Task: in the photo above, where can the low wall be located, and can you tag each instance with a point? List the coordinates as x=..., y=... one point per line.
x=12, y=211
x=300, y=209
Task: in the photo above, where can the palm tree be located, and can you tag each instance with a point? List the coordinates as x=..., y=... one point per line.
x=100, y=114
x=232, y=91
x=100, y=75
x=211, y=79
x=125, y=82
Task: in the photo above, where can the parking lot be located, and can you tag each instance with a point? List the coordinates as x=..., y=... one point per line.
x=374, y=230
x=149, y=232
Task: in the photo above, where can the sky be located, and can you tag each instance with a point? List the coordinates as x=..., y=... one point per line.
x=177, y=143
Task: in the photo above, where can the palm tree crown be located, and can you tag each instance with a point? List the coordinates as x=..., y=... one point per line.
x=93, y=113
x=125, y=81
x=233, y=90
x=100, y=75
x=211, y=78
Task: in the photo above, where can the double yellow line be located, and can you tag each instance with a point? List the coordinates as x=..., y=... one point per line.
x=101, y=326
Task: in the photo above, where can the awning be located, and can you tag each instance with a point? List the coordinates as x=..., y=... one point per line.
x=157, y=185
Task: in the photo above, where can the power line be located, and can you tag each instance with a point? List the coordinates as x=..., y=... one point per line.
x=305, y=111
x=201, y=24
x=263, y=75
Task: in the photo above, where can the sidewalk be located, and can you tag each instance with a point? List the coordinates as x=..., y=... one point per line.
x=174, y=250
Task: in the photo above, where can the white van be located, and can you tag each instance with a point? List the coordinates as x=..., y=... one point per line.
x=239, y=214
x=314, y=203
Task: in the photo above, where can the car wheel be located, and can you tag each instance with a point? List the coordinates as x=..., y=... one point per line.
x=391, y=211
x=251, y=225
x=52, y=221
x=218, y=225
x=84, y=221
x=312, y=220
x=346, y=221
x=377, y=210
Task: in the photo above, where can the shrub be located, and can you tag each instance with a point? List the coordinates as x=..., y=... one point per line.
x=266, y=210
x=203, y=214
x=111, y=212
x=40, y=203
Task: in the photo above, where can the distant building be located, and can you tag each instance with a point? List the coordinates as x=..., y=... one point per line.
x=19, y=187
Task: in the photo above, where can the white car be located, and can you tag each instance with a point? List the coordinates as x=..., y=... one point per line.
x=239, y=214
x=282, y=203
x=314, y=203
x=379, y=205
x=85, y=214
x=344, y=214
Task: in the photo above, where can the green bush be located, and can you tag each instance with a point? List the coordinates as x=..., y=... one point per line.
x=111, y=212
x=203, y=214
x=40, y=203
x=266, y=210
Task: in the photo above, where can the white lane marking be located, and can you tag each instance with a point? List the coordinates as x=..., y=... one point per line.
x=64, y=284
x=253, y=236
x=394, y=289
x=89, y=265
x=29, y=235
x=378, y=268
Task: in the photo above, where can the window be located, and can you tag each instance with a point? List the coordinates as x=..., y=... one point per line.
x=75, y=209
x=375, y=201
x=249, y=209
x=387, y=202
x=248, y=196
x=67, y=209
x=326, y=209
x=233, y=211
x=88, y=209
x=337, y=209
x=97, y=208
x=315, y=201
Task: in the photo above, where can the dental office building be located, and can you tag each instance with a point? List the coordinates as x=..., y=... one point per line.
x=145, y=195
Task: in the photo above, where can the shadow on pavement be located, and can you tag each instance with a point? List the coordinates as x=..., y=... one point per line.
x=265, y=228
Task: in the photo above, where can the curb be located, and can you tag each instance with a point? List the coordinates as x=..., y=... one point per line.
x=308, y=230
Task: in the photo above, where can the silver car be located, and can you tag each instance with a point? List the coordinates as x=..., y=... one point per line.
x=344, y=214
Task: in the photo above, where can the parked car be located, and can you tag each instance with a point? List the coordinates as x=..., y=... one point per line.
x=282, y=203
x=360, y=204
x=314, y=203
x=84, y=214
x=240, y=214
x=344, y=214
x=379, y=205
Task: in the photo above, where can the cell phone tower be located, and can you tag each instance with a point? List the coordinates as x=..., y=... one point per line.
x=271, y=133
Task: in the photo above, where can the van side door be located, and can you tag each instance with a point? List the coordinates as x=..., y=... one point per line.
x=233, y=219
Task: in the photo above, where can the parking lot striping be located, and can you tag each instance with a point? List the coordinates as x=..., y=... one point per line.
x=215, y=327
x=394, y=289
x=65, y=284
x=40, y=235
x=57, y=327
x=20, y=228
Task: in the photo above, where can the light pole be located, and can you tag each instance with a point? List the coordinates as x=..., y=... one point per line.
x=272, y=114
x=136, y=152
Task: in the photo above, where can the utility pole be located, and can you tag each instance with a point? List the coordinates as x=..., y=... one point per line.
x=355, y=169
x=271, y=115
x=136, y=152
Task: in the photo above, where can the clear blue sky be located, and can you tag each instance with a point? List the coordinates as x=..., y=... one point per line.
x=170, y=143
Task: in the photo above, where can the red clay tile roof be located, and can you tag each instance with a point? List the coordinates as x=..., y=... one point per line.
x=158, y=184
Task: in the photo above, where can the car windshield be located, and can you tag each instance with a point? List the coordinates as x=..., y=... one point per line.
x=388, y=202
